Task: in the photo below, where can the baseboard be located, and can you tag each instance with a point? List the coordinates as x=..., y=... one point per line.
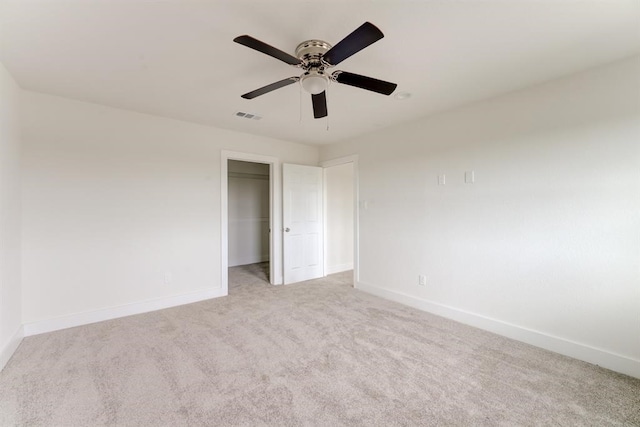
x=615, y=362
x=85, y=318
x=10, y=347
x=249, y=260
x=332, y=269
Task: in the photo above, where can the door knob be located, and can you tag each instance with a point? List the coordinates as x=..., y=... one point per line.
x=287, y=230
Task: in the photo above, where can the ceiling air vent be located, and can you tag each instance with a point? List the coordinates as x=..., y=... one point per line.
x=248, y=115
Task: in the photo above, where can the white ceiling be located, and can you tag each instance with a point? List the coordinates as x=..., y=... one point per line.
x=176, y=58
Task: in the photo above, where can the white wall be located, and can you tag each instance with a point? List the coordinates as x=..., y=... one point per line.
x=121, y=208
x=339, y=217
x=545, y=245
x=10, y=281
x=248, y=202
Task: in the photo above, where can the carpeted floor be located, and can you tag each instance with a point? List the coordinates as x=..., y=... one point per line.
x=315, y=353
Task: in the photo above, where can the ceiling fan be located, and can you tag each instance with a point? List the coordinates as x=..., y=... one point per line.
x=315, y=57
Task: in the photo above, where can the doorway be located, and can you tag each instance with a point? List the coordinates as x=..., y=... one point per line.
x=248, y=221
x=251, y=166
x=341, y=216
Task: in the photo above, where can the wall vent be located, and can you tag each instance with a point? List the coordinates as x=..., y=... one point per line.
x=250, y=116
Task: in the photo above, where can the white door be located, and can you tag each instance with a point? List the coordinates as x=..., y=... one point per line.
x=302, y=222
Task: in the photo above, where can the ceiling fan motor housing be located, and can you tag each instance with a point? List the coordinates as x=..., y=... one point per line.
x=310, y=53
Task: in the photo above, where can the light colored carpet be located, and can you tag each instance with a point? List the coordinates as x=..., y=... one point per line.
x=314, y=353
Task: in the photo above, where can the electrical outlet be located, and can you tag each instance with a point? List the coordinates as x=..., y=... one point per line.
x=422, y=280
x=168, y=277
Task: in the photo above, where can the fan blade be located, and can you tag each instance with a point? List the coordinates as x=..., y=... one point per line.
x=363, y=36
x=319, y=105
x=256, y=44
x=364, y=82
x=271, y=87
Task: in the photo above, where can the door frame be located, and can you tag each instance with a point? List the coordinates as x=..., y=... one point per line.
x=275, y=215
x=356, y=214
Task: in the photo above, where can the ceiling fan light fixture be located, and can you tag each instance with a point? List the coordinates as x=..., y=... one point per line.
x=314, y=82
